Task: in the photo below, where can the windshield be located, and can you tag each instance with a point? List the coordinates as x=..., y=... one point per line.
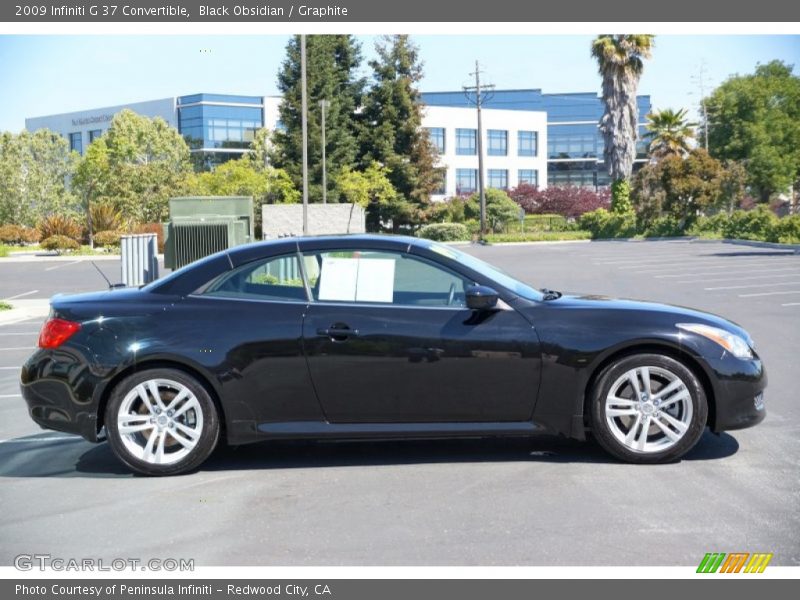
x=490, y=271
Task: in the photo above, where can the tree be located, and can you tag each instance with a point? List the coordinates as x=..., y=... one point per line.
x=34, y=171
x=669, y=132
x=372, y=189
x=756, y=119
x=500, y=208
x=620, y=60
x=261, y=147
x=332, y=64
x=684, y=188
x=392, y=132
x=137, y=165
x=240, y=177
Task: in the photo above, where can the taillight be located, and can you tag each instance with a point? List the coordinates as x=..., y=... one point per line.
x=57, y=331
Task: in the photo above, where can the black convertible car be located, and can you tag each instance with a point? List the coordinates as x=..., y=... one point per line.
x=379, y=336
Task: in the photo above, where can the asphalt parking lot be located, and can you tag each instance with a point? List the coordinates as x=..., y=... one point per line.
x=545, y=501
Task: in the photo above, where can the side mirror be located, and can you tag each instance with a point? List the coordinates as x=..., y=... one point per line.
x=481, y=297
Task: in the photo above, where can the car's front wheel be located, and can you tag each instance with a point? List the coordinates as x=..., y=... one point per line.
x=648, y=408
x=161, y=422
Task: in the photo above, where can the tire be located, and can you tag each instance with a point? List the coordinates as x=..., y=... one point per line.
x=674, y=409
x=168, y=434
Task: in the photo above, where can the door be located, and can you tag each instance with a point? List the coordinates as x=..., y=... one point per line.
x=388, y=338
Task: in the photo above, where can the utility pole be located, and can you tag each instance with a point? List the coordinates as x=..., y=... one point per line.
x=324, y=104
x=479, y=100
x=700, y=80
x=304, y=119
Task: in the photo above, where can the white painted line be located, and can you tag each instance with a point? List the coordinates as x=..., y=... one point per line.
x=768, y=294
x=735, y=278
x=21, y=295
x=701, y=273
x=9, y=368
x=18, y=348
x=10, y=395
x=62, y=266
x=21, y=333
x=791, y=304
x=752, y=285
x=674, y=257
x=39, y=440
x=713, y=264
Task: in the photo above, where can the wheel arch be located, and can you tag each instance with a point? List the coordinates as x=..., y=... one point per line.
x=161, y=363
x=686, y=358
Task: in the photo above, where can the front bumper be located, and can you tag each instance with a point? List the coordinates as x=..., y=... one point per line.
x=739, y=393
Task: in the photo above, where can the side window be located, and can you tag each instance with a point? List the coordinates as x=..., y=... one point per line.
x=275, y=278
x=382, y=277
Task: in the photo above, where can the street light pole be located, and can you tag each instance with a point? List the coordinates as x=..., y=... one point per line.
x=324, y=106
x=304, y=120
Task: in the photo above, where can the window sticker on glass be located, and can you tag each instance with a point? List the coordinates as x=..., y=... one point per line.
x=356, y=279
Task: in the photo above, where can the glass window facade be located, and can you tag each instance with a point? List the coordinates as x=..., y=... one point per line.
x=94, y=134
x=466, y=142
x=76, y=142
x=498, y=178
x=466, y=181
x=231, y=124
x=527, y=143
x=497, y=142
x=528, y=176
x=437, y=135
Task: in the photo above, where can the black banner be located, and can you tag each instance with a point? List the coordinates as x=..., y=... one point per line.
x=353, y=11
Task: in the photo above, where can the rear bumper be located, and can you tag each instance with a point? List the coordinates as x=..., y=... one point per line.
x=59, y=395
x=739, y=393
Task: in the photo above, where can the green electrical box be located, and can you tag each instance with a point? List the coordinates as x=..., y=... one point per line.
x=202, y=225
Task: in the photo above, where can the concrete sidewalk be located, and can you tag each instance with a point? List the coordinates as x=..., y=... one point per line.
x=25, y=309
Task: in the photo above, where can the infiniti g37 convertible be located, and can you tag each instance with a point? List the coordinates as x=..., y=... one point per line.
x=379, y=336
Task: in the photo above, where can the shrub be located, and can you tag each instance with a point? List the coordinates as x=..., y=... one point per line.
x=666, y=226
x=444, y=232
x=539, y=236
x=787, y=230
x=156, y=228
x=53, y=225
x=500, y=209
x=603, y=224
x=60, y=242
x=756, y=224
x=105, y=217
x=107, y=239
x=709, y=225
x=18, y=234
x=568, y=201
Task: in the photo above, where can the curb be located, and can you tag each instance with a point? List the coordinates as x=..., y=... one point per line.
x=755, y=244
x=25, y=309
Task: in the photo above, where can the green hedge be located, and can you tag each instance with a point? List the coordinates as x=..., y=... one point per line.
x=759, y=224
x=60, y=242
x=538, y=236
x=603, y=224
x=445, y=232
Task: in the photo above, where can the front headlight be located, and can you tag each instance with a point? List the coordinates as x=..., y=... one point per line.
x=731, y=342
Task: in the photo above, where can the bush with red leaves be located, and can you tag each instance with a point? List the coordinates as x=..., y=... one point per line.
x=570, y=201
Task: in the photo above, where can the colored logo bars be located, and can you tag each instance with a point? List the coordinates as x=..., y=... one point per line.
x=736, y=562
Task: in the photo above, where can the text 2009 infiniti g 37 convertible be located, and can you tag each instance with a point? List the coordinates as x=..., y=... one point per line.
x=379, y=336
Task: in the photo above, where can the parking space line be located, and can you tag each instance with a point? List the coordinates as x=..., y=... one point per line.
x=21, y=333
x=10, y=395
x=18, y=348
x=736, y=278
x=701, y=273
x=9, y=368
x=62, y=266
x=38, y=440
x=752, y=285
x=768, y=294
x=21, y=295
x=705, y=264
x=791, y=304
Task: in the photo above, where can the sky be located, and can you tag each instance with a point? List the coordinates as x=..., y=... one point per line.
x=50, y=74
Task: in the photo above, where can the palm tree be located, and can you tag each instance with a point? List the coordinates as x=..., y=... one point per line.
x=620, y=60
x=669, y=133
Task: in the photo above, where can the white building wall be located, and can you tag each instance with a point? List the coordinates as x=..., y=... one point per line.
x=512, y=121
x=85, y=121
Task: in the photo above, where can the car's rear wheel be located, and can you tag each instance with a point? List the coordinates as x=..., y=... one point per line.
x=648, y=408
x=161, y=422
